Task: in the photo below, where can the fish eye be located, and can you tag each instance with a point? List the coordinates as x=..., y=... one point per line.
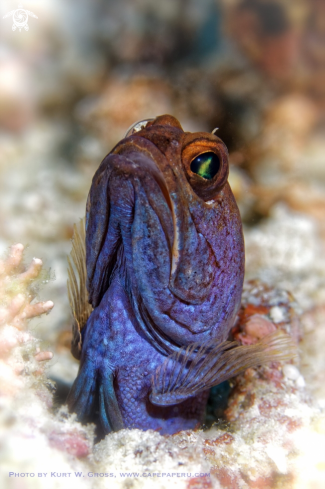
x=205, y=161
x=206, y=165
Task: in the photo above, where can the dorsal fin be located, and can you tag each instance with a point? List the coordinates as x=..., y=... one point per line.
x=77, y=290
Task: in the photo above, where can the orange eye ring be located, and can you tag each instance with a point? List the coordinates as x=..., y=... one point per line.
x=206, y=188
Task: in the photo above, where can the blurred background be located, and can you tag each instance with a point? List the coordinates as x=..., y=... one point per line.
x=72, y=84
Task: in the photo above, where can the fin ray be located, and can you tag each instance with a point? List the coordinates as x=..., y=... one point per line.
x=80, y=397
x=196, y=368
x=111, y=405
x=77, y=290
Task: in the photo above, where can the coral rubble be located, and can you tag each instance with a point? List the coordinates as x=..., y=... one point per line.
x=32, y=439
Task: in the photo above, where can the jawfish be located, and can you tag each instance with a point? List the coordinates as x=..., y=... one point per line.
x=161, y=269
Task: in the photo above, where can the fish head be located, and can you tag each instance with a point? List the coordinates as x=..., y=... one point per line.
x=161, y=203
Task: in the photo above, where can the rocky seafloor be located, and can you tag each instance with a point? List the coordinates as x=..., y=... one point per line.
x=68, y=94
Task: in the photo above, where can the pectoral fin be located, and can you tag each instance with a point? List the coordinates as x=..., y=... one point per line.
x=196, y=368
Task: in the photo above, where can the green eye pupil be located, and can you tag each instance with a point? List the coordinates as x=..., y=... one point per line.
x=206, y=165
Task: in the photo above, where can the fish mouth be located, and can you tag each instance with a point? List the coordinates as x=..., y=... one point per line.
x=174, y=245
x=192, y=260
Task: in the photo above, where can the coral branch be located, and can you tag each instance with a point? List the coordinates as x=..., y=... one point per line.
x=19, y=349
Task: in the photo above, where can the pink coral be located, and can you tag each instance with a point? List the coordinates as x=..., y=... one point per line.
x=19, y=350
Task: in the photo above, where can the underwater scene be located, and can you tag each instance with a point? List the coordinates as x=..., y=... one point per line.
x=162, y=244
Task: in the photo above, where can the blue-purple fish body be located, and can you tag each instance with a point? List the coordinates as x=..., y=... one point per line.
x=164, y=272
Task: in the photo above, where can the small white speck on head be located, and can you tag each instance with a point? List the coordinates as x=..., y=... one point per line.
x=210, y=202
x=291, y=372
x=277, y=314
x=37, y=261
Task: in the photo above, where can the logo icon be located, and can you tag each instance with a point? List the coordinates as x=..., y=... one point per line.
x=20, y=18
